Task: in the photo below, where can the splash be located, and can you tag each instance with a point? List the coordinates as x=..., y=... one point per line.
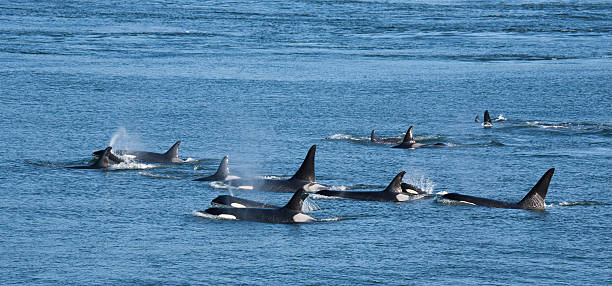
x=421, y=182
x=310, y=206
x=500, y=118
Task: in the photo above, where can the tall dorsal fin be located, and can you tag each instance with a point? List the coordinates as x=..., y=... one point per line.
x=295, y=203
x=103, y=162
x=173, y=151
x=223, y=170
x=373, y=136
x=396, y=185
x=307, y=171
x=535, y=198
x=487, y=117
x=408, y=137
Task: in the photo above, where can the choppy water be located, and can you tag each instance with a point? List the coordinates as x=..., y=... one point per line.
x=263, y=81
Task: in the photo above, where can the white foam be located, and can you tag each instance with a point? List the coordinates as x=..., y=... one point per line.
x=347, y=137
x=338, y=188
x=245, y=187
x=148, y=174
x=232, y=177
x=500, y=118
x=188, y=160
x=131, y=166
x=318, y=197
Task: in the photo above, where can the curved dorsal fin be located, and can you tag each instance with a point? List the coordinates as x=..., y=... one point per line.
x=307, y=171
x=408, y=137
x=535, y=198
x=173, y=151
x=223, y=170
x=396, y=184
x=477, y=119
x=487, y=117
x=373, y=136
x=103, y=162
x=296, y=201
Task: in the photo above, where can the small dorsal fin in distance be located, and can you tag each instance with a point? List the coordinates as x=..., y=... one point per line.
x=534, y=200
x=223, y=170
x=477, y=119
x=173, y=151
x=373, y=136
x=296, y=201
x=103, y=162
x=487, y=117
x=307, y=171
x=396, y=184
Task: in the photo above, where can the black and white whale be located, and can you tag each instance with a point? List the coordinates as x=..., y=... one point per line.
x=393, y=192
x=222, y=174
x=304, y=177
x=171, y=156
x=534, y=200
x=101, y=163
x=375, y=139
x=408, y=142
x=290, y=213
x=487, y=120
x=231, y=201
x=412, y=189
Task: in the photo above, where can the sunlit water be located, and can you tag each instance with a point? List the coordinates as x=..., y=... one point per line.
x=262, y=82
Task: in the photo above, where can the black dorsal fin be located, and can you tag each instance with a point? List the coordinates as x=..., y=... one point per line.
x=477, y=119
x=307, y=171
x=408, y=137
x=535, y=198
x=223, y=170
x=103, y=162
x=487, y=117
x=173, y=151
x=373, y=136
x=295, y=203
x=396, y=185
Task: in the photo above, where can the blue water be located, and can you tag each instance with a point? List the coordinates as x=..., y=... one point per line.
x=262, y=81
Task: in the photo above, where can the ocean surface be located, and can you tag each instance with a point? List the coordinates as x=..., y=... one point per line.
x=261, y=82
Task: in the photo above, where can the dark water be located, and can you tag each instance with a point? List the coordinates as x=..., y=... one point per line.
x=262, y=81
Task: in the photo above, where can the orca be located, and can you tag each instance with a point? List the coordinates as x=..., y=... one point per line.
x=236, y=202
x=222, y=173
x=534, y=200
x=412, y=189
x=304, y=177
x=393, y=192
x=375, y=139
x=290, y=213
x=101, y=163
x=408, y=142
x=477, y=120
x=171, y=156
x=487, y=120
